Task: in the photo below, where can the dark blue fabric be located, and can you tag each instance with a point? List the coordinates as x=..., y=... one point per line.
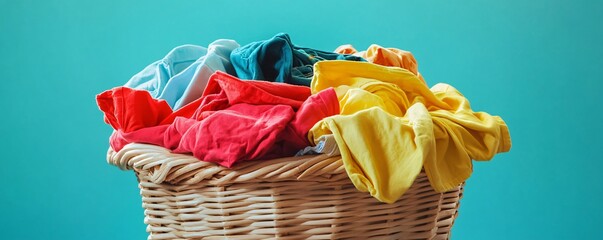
x=278, y=60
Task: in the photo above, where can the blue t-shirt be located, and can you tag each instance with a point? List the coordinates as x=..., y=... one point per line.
x=278, y=60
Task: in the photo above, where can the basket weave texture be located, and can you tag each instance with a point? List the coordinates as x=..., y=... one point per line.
x=309, y=197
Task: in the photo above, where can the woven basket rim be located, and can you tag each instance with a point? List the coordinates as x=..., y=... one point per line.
x=165, y=167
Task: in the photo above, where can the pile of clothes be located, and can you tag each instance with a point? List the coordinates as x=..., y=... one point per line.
x=229, y=103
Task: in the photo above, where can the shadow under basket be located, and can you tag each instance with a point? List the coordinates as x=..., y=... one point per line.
x=309, y=197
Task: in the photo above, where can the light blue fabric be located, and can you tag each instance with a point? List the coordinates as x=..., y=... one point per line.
x=181, y=76
x=326, y=145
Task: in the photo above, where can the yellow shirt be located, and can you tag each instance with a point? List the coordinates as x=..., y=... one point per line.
x=392, y=124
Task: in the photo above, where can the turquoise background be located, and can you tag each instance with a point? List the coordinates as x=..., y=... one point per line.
x=538, y=64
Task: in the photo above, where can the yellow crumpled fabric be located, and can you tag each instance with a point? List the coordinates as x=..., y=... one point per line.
x=392, y=124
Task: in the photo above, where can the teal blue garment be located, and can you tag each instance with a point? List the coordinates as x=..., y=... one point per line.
x=278, y=60
x=181, y=76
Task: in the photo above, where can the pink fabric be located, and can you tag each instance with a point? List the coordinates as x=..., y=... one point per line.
x=233, y=121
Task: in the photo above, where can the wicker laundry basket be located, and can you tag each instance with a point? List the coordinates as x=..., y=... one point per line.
x=308, y=197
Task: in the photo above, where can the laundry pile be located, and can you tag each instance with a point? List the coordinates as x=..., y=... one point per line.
x=229, y=103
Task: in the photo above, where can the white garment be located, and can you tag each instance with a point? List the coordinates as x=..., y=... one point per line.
x=326, y=145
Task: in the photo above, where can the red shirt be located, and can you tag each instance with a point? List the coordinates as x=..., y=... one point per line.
x=233, y=121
